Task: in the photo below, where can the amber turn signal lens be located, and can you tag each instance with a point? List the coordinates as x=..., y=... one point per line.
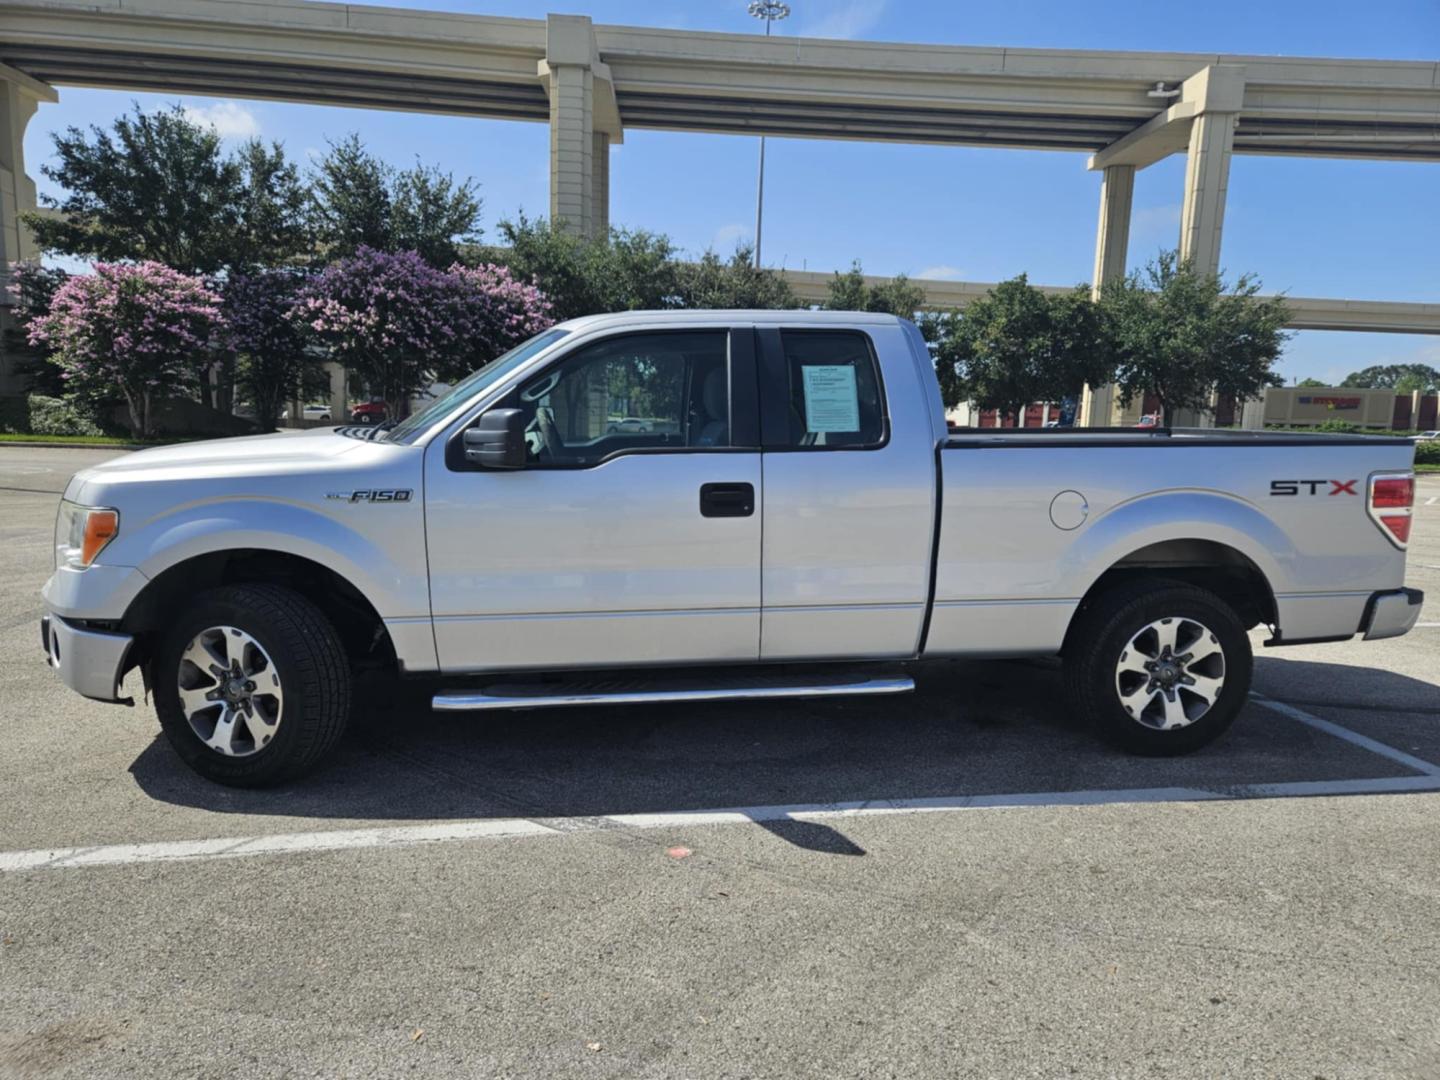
x=100, y=528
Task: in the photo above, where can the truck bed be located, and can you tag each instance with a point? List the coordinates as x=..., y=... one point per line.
x=1028, y=526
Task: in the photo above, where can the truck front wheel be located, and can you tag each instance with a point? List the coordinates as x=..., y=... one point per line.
x=252, y=685
x=1159, y=667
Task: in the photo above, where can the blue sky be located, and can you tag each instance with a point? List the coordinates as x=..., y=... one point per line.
x=1309, y=227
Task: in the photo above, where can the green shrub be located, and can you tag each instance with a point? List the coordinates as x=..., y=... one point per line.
x=59, y=416
x=1427, y=453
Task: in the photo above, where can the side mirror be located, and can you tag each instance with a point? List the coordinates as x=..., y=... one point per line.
x=498, y=440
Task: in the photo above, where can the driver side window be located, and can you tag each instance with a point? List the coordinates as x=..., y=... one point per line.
x=652, y=391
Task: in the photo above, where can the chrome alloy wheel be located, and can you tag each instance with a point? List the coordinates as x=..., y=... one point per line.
x=230, y=691
x=1170, y=673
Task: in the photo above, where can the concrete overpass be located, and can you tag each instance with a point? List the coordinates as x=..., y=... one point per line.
x=1307, y=312
x=1125, y=110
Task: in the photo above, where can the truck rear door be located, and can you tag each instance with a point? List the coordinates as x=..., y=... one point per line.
x=849, y=492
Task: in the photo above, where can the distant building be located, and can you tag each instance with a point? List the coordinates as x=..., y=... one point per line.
x=1310, y=406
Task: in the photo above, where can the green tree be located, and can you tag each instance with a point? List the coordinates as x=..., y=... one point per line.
x=939, y=328
x=1303, y=383
x=1400, y=377
x=1019, y=345
x=359, y=201
x=32, y=288
x=350, y=202
x=158, y=187
x=1184, y=336
x=434, y=215
x=625, y=270
x=896, y=296
x=713, y=282
x=273, y=225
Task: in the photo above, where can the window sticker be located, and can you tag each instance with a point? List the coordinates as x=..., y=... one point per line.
x=831, y=401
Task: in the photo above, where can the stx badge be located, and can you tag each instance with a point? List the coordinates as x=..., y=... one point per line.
x=1292, y=487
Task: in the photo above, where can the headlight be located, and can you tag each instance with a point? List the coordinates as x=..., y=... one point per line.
x=81, y=533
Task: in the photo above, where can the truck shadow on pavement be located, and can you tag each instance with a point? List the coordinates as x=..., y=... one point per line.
x=972, y=731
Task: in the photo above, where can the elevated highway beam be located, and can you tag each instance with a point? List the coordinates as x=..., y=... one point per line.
x=1307, y=312
x=472, y=65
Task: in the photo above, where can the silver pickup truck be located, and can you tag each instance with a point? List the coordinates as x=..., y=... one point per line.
x=709, y=505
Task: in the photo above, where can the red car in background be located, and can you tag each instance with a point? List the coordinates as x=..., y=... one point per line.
x=371, y=412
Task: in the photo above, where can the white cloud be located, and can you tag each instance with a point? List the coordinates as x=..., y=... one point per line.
x=728, y=237
x=943, y=272
x=846, y=19
x=230, y=119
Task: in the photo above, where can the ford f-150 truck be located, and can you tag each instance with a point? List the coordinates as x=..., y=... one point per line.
x=684, y=506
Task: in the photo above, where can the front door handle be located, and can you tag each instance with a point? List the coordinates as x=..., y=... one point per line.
x=727, y=500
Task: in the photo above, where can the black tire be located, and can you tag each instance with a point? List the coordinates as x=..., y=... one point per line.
x=308, y=659
x=1102, y=636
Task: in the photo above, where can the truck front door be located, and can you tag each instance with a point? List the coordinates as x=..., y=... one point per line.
x=631, y=536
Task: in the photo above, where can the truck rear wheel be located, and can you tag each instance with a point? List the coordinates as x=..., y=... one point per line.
x=1159, y=667
x=252, y=685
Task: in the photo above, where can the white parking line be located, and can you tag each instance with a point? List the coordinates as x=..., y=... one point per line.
x=1410, y=761
x=236, y=847
x=412, y=835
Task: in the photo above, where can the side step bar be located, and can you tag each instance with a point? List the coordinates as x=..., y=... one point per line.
x=555, y=696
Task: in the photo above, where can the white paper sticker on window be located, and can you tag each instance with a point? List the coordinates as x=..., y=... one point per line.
x=831, y=400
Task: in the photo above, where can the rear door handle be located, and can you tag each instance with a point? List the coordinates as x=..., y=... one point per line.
x=727, y=500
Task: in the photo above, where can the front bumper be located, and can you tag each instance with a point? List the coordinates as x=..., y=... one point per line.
x=90, y=662
x=1390, y=614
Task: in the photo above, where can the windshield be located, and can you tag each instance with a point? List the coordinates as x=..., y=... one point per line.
x=468, y=387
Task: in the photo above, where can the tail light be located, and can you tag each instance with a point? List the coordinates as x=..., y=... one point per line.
x=1391, y=497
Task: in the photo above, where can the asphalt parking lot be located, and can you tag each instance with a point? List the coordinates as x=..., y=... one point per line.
x=955, y=883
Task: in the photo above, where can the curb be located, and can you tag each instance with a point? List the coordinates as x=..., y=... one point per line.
x=81, y=446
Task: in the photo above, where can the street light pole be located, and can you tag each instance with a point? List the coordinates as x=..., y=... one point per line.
x=770, y=11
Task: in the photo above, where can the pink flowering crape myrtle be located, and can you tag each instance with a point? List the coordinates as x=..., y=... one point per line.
x=400, y=323
x=141, y=329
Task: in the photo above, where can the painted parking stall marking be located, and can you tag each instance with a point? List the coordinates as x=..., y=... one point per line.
x=237, y=847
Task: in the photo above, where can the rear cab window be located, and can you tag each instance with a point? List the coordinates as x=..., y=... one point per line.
x=833, y=391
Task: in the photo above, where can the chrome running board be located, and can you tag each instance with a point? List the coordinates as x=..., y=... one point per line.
x=554, y=696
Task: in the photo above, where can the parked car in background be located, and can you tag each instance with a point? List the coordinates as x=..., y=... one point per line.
x=1149, y=420
x=308, y=412
x=1427, y=436
x=797, y=522
x=632, y=424
x=371, y=412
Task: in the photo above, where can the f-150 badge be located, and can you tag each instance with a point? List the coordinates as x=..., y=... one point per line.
x=372, y=495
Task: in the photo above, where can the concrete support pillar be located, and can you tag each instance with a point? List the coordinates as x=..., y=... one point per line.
x=1112, y=238
x=600, y=185
x=339, y=397
x=20, y=95
x=1117, y=193
x=1207, y=178
x=584, y=121
x=572, y=147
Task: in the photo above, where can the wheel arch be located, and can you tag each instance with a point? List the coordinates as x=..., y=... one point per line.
x=361, y=629
x=1207, y=564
